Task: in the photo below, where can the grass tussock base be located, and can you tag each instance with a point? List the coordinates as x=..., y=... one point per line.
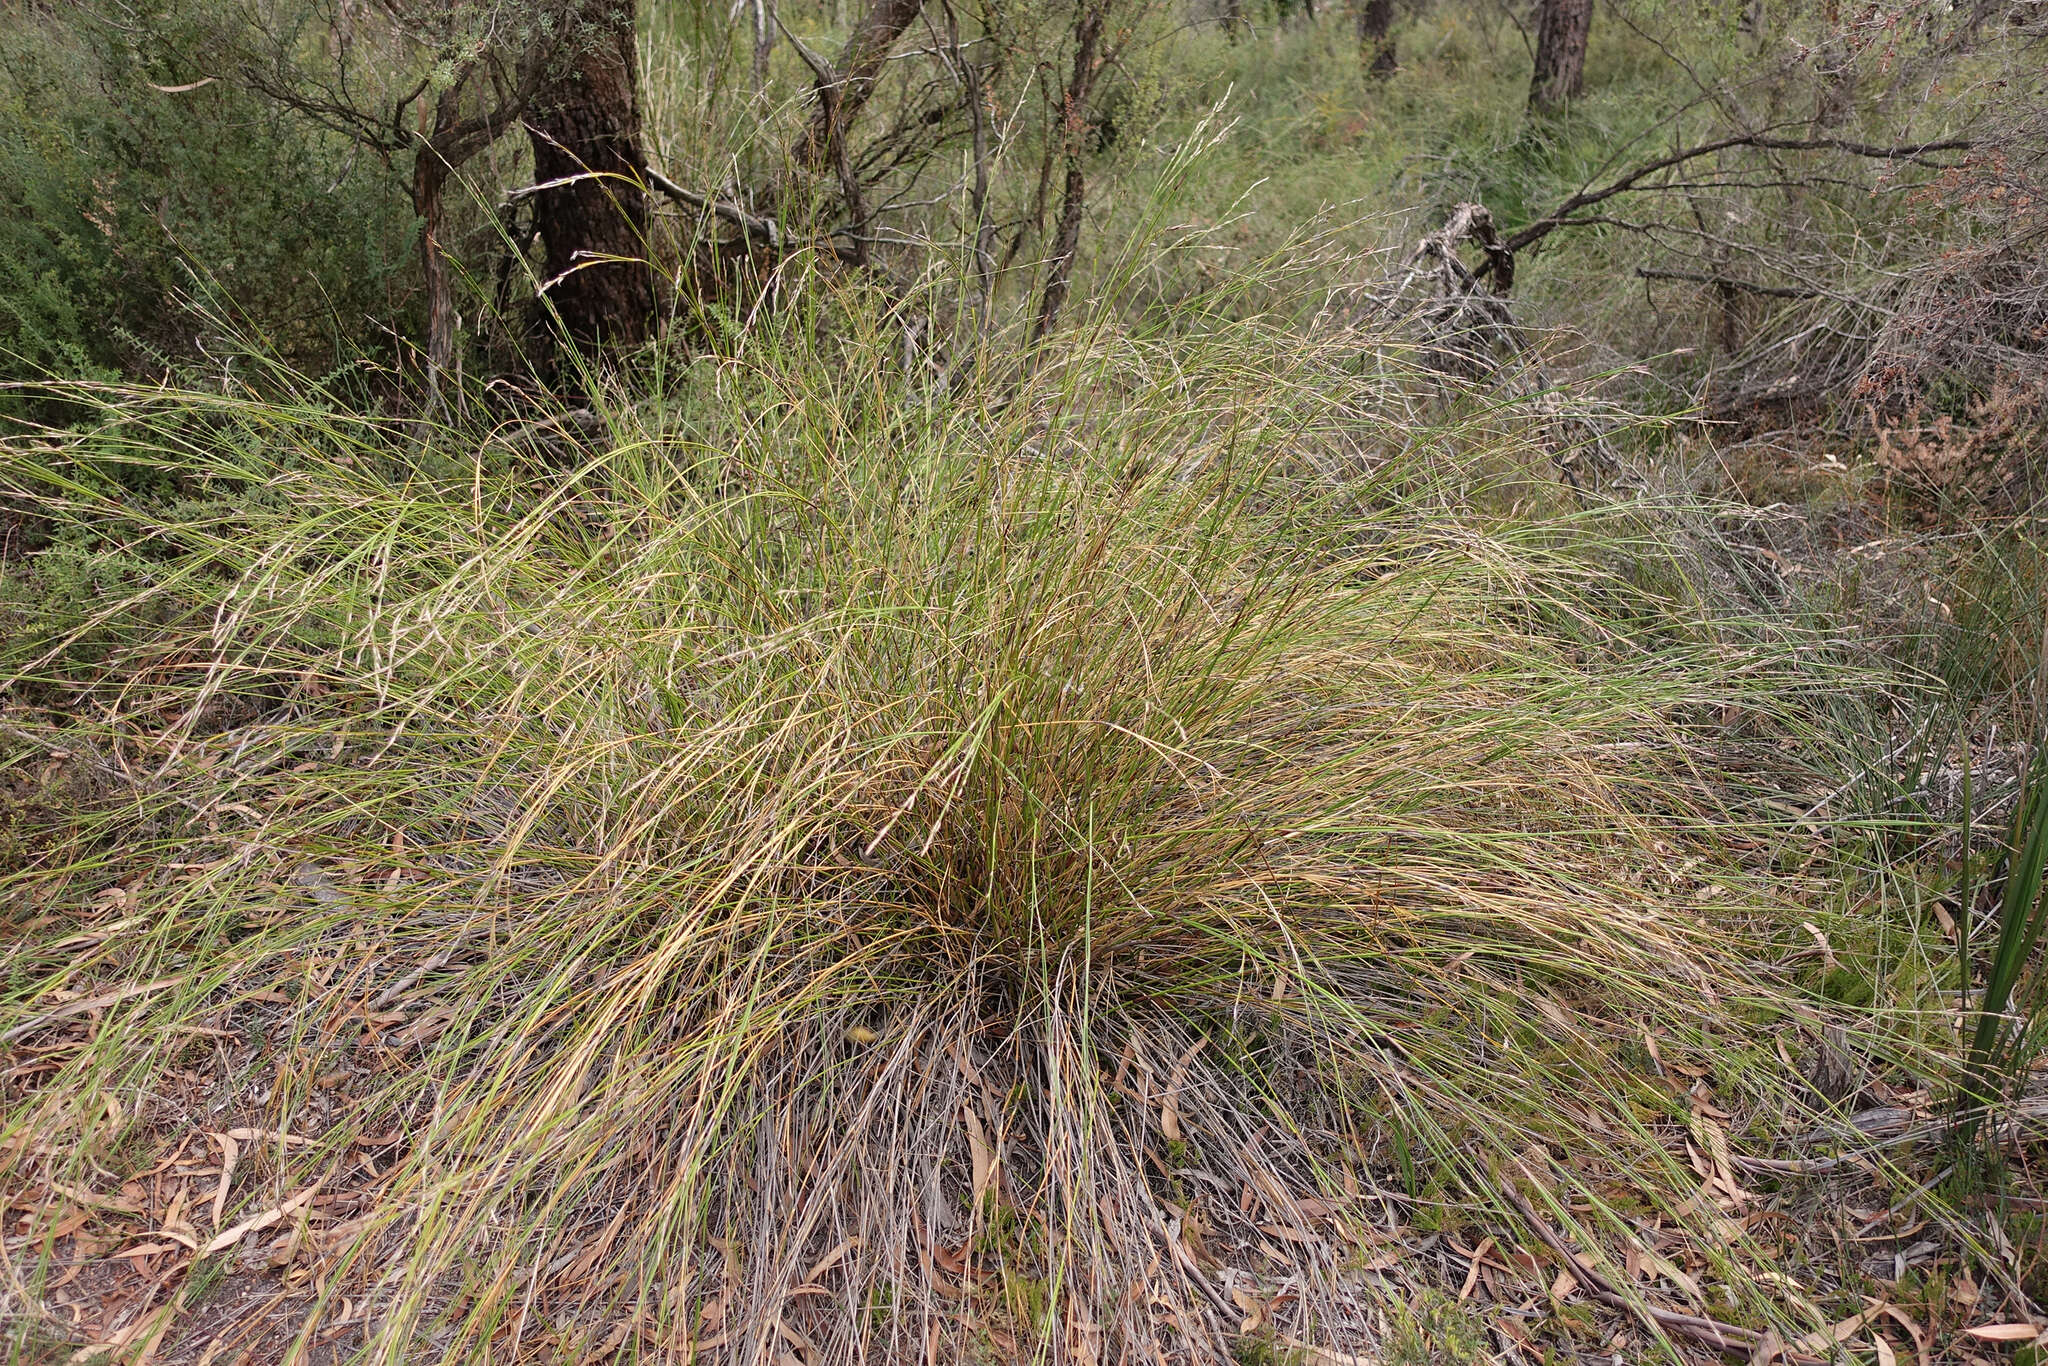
x=830, y=872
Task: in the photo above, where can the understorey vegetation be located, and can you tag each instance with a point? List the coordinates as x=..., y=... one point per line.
x=937, y=681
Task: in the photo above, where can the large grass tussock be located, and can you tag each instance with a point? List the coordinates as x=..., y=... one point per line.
x=830, y=870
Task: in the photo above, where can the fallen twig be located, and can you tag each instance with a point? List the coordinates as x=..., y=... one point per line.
x=1722, y=1336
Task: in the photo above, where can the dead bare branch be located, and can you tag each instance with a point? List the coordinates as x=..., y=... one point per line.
x=1564, y=214
x=1726, y=282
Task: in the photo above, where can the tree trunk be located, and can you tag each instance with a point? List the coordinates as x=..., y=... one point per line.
x=585, y=129
x=764, y=43
x=1561, y=29
x=1376, y=38
x=429, y=178
x=977, y=117
x=1059, y=271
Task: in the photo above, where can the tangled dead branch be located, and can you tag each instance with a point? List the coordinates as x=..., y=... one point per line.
x=1468, y=333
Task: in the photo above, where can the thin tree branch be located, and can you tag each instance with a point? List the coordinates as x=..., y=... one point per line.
x=763, y=229
x=1563, y=214
x=1721, y=1336
x=1724, y=282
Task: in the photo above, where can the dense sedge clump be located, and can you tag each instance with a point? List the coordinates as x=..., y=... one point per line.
x=841, y=872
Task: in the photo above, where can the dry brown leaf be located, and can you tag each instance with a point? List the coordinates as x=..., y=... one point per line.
x=1326, y=1356
x=978, y=1150
x=122, y=1204
x=228, y=1154
x=257, y=1223
x=2005, y=1332
x=1084, y=1340
x=1817, y=1343
x=1914, y=1331
x=830, y=1259
x=1478, y=1255
x=327, y=1240
x=267, y=1136
x=179, y=1233
x=1292, y=1235
x=1169, y=1104
x=797, y=1340
x=729, y=1249
x=1670, y=1271
x=150, y=1249
x=143, y=1334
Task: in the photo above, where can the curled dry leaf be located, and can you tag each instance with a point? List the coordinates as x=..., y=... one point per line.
x=1914, y=1331
x=151, y=1249
x=228, y=1154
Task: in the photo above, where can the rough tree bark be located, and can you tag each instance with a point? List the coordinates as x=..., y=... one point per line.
x=443, y=144
x=1561, y=29
x=1376, y=37
x=592, y=215
x=429, y=180
x=1059, y=269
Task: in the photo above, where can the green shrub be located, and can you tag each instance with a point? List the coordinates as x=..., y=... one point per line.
x=142, y=231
